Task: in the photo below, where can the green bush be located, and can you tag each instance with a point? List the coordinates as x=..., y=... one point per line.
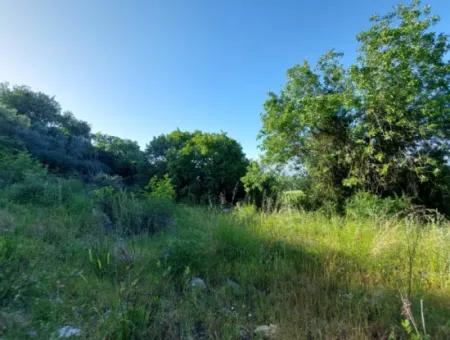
x=15, y=286
x=133, y=214
x=294, y=199
x=24, y=180
x=15, y=167
x=7, y=272
x=131, y=323
x=43, y=190
x=367, y=205
x=107, y=260
x=105, y=180
x=161, y=188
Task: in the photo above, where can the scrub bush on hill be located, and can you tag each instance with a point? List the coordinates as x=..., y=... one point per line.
x=43, y=190
x=129, y=213
x=123, y=158
x=34, y=122
x=15, y=166
x=25, y=181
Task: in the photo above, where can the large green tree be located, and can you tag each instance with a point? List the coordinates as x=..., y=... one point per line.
x=202, y=166
x=382, y=124
x=308, y=124
x=122, y=156
x=402, y=80
x=160, y=147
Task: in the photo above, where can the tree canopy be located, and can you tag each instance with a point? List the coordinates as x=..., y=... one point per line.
x=33, y=122
x=381, y=124
x=57, y=139
x=202, y=166
x=122, y=156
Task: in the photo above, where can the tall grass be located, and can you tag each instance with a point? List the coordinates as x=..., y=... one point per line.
x=322, y=277
x=313, y=275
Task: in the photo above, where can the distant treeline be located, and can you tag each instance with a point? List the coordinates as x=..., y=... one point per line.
x=201, y=166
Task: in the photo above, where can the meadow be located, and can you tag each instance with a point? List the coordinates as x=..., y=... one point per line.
x=77, y=262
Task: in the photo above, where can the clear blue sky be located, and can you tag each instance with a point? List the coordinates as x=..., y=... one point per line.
x=136, y=69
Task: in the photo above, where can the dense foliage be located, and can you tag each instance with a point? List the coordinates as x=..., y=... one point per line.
x=380, y=125
x=122, y=156
x=57, y=139
x=202, y=166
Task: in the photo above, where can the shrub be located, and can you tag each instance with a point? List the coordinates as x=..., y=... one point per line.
x=294, y=199
x=43, y=189
x=16, y=286
x=24, y=180
x=161, y=188
x=7, y=221
x=109, y=262
x=366, y=205
x=14, y=168
x=131, y=323
x=104, y=180
x=132, y=214
x=259, y=184
x=7, y=272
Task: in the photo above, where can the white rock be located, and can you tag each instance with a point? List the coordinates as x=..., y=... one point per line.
x=198, y=283
x=233, y=285
x=266, y=331
x=68, y=331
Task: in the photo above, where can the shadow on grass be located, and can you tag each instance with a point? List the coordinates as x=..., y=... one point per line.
x=252, y=278
x=309, y=293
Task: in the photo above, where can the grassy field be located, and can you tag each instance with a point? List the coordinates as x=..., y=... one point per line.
x=210, y=274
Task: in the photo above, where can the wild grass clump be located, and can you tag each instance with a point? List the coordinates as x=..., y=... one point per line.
x=129, y=214
x=25, y=181
x=364, y=205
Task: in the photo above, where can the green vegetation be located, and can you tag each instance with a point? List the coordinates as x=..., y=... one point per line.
x=380, y=125
x=203, y=167
x=118, y=266
x=340, y=232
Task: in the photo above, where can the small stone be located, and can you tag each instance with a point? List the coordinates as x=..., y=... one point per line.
x=235, y=287
x=266, y=331
x=198, y=283
x=244, y=334
x=68, y=331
